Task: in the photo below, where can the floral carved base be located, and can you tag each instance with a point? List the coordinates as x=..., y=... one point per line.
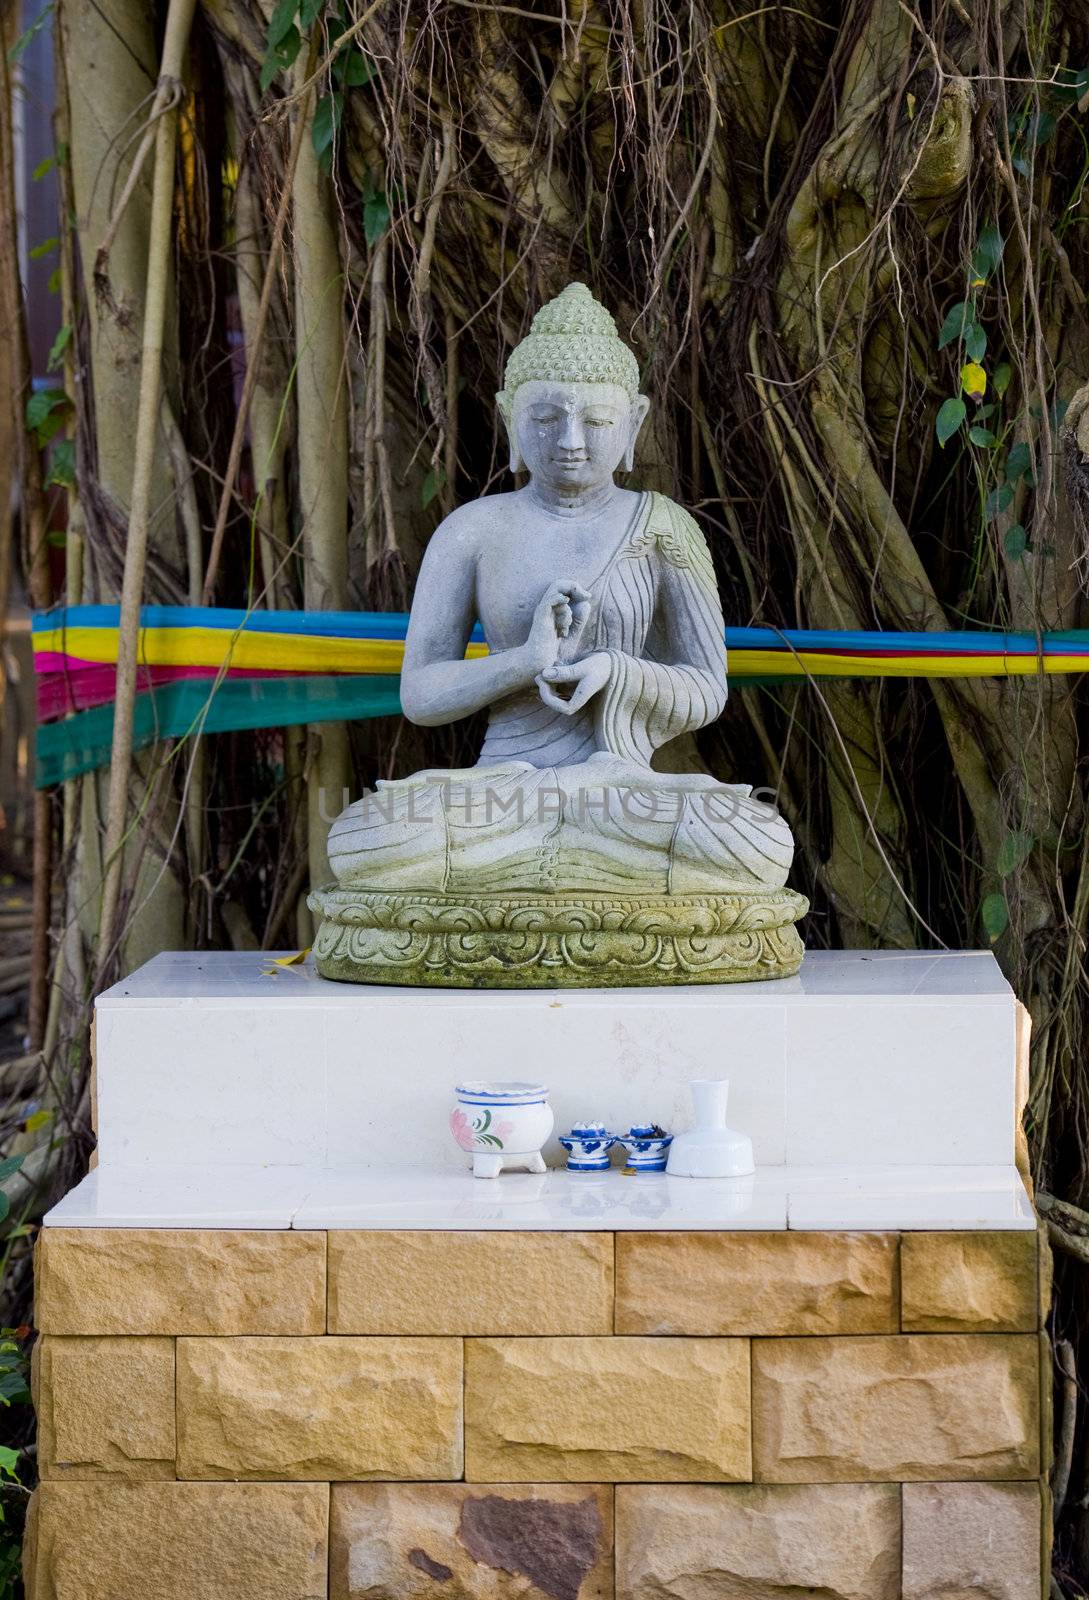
x=547, y=941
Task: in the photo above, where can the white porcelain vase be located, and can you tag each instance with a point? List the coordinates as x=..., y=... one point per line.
x=710, y=1149
x=502, y=1125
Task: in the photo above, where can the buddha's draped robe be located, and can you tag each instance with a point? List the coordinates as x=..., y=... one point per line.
x=570, y=803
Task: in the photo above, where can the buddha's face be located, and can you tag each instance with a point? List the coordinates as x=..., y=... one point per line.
x=571, y=437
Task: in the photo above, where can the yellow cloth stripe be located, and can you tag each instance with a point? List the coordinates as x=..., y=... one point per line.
x=307, y=653
x=819, y=664
x=253, y=652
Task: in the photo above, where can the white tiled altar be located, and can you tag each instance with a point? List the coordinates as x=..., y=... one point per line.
x=874, y=1058
x=880, y=1089
x=821, y=1198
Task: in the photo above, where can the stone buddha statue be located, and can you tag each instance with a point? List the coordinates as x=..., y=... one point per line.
x=563, y=858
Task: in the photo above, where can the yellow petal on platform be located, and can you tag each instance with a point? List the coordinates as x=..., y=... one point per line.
x=285, y=961
x=291, y=961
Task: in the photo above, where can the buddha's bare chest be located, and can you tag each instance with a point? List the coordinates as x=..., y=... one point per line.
x=515, y=571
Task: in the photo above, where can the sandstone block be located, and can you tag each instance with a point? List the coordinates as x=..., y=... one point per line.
x=499, y=1542
x=606, y=1410
x=1045, y=1274
x=913, y=1406
x=178, y=1541
x=756, y=1283
x=972, y=1538
x=162, y=1280
x=1046, y=1368
x=319, y=1408
x=105, y=1407
x=689, y=1542
x=969, y=1282
x=470, y=1283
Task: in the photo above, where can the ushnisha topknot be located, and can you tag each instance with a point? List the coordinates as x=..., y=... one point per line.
x=572, y=339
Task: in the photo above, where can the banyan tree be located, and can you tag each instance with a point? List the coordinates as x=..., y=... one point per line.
x=848, y=242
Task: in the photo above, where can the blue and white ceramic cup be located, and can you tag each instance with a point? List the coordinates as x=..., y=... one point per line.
x=647, y=1146
x=588, y=1145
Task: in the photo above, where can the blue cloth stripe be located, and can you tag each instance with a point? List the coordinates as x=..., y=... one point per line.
x=393, y=624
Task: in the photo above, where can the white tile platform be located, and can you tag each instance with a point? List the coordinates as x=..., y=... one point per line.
x=824, y=1198
x=879, y=1089
x=884, y=1058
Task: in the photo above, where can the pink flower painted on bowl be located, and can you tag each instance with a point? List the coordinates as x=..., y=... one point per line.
x=462, y=1129
x=503, y=1130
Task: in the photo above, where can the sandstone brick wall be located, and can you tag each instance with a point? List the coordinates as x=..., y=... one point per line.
x=578, y=1416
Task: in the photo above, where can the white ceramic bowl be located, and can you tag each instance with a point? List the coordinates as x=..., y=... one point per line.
x=501, y=1125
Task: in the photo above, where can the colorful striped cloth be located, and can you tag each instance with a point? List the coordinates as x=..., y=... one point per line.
x=211, y=670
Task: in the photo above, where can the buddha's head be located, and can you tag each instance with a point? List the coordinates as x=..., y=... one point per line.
x=571, y=403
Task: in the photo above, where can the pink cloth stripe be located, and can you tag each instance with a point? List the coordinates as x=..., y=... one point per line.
x=92, y=684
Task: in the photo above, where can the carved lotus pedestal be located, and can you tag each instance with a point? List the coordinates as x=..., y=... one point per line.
x=549, y=941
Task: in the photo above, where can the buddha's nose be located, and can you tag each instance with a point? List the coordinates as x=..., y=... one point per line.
x=572, y=439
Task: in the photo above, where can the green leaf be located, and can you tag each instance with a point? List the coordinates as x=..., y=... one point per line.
x=280, y=59
x=308, y=13
x=53, y=282
x=59, y=346
x=433, y=484
x=9, y=1460
x=983, y=437
x=988, y=252
x=1072, y=82
x=1016, y=542
x=997, y=501
x=1014, y=849
x=995, y=914
x=983, y=412
x=46, y=248
x=41, y=405
x=949, y=419
x=327, y=118
x=62, y=471
x=31, y=33
x=13, y=1389
x=1000, y=378
x=352, y=70
x=975, y=342
x=281, y=23
x=1018, y=462
x=375, y=218
x=1040, y=128
x=45, y=165
x=50, y=427
x=9, y=1166
x=960, y=318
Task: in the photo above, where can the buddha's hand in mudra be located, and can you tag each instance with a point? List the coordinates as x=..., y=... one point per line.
x=557, y=625
x=567, y=686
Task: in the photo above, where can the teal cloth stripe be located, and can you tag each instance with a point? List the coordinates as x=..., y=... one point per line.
x=83, y=742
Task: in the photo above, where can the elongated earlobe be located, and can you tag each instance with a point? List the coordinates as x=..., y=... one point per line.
x=506, y=411
x=639, y=408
